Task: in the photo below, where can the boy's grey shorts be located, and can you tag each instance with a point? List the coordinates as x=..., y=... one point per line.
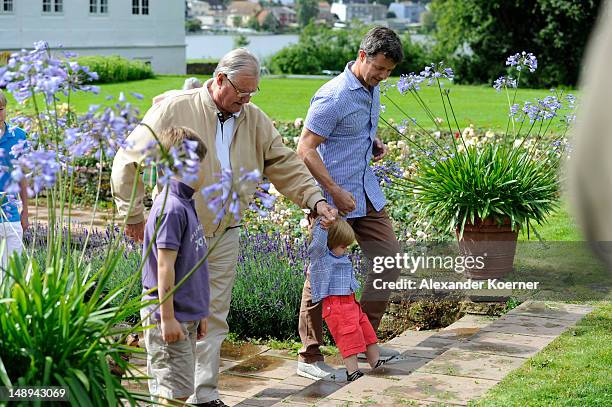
x=171, y=367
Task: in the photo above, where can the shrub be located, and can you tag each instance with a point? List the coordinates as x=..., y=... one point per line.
x=322, y=48
x=116, y=69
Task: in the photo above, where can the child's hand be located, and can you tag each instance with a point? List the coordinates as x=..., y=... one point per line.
x=326, y=223
x=202, y=329
x=172, y=331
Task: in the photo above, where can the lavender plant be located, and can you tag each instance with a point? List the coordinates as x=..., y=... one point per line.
x=458, y=179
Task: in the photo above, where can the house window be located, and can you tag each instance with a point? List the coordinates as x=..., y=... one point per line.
x=6, y=6
x=53, y=6
x=140, y=7
x=98, y=6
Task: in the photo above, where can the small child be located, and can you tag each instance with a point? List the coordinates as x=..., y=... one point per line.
x=177, y=248
x=332, y=280
x=12, y=222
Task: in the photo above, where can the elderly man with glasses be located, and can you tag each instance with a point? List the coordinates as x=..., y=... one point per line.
x=242, y=137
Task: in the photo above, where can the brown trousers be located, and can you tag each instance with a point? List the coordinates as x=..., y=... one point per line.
x=374, y=233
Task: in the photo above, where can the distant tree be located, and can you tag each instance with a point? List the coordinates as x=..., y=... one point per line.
x=391, y=14
x=241, y=41
x=307, y=10
x=237, y=21
x=556, y=31
x=428, y=23
x=193, y=25
x=270, y=23
x=253, y=23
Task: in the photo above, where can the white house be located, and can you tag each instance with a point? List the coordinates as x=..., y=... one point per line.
x=409, y=11
x=148, y=30
x=360, y=11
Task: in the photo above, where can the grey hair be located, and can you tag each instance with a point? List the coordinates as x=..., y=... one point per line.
x=192, y=83
x=3, y=101
x=238, y=61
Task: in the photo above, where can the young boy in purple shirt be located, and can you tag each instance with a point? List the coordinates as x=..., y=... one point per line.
x=177, y=248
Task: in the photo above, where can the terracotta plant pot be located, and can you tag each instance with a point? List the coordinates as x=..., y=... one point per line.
x=495, y=244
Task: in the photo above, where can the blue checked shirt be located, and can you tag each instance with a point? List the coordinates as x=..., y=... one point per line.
x=329, y=274
x=345, y=113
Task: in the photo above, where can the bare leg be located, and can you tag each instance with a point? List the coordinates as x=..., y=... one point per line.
x=351, y=363
x=373, y=355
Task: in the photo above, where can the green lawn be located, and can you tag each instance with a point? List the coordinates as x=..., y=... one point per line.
x=574, y=370
x=287, y=99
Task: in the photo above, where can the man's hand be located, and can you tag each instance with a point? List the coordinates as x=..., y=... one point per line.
x=135, y=231
x=25, y=223
x=202, y=329
x=379, y=150
x=172, y=330
x=327, y=212
x=344, y=200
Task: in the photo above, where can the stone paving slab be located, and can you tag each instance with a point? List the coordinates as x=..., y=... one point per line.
x=243, y=386
x=379, y=400
x=458, y=362
x=430, y=347
x=362, y=389
x=296, y=380
x=399, y=367
x=315, y=392
x=520, y=346
x=440, y=388
x=471, y=321
x=409, y=339
x=262, y=365
x=231, y=400
x=271, y=395
x=553, y=310
x=528, y=325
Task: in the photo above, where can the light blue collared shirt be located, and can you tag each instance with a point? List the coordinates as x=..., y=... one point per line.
x=329, y=274
x=345, y=113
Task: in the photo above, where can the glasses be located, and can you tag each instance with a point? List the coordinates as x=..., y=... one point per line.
x=239, y=93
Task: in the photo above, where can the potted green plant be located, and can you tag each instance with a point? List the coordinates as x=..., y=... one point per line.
x=484, y=188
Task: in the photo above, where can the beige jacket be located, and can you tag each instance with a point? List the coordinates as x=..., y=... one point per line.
x=256, y=145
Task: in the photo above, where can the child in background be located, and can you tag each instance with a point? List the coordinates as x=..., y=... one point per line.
x=12, y=223
x=177, y=248
x=332, y=280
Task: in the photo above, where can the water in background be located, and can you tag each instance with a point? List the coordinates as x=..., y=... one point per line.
x=215, y=46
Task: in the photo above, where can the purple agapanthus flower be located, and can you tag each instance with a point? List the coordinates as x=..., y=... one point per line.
x=386, y=171
x=224, y=196
x=523, y=60
x=504, y=82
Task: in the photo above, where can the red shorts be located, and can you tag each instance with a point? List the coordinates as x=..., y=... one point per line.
x=348, y=325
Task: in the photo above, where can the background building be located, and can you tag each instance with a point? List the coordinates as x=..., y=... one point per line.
x=148, y=30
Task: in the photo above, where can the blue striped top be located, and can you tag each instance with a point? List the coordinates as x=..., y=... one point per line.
x=345, y=113
x=329, y=274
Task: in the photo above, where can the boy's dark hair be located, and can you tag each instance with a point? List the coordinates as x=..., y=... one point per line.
x=174, y=136
x=382, y=40
x=340, y=233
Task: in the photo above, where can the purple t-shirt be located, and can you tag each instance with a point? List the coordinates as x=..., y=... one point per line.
x=179, y=230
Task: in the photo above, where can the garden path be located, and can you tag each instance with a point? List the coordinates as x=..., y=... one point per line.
x=451, y=366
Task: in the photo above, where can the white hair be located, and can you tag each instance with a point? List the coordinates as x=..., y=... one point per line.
x=238, y=61
x=192, y=83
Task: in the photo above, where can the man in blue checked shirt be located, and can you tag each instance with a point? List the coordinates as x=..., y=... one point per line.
x=337, y=144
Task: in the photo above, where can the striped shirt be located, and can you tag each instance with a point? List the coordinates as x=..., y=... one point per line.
x=345, y=113
x=329, y=274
